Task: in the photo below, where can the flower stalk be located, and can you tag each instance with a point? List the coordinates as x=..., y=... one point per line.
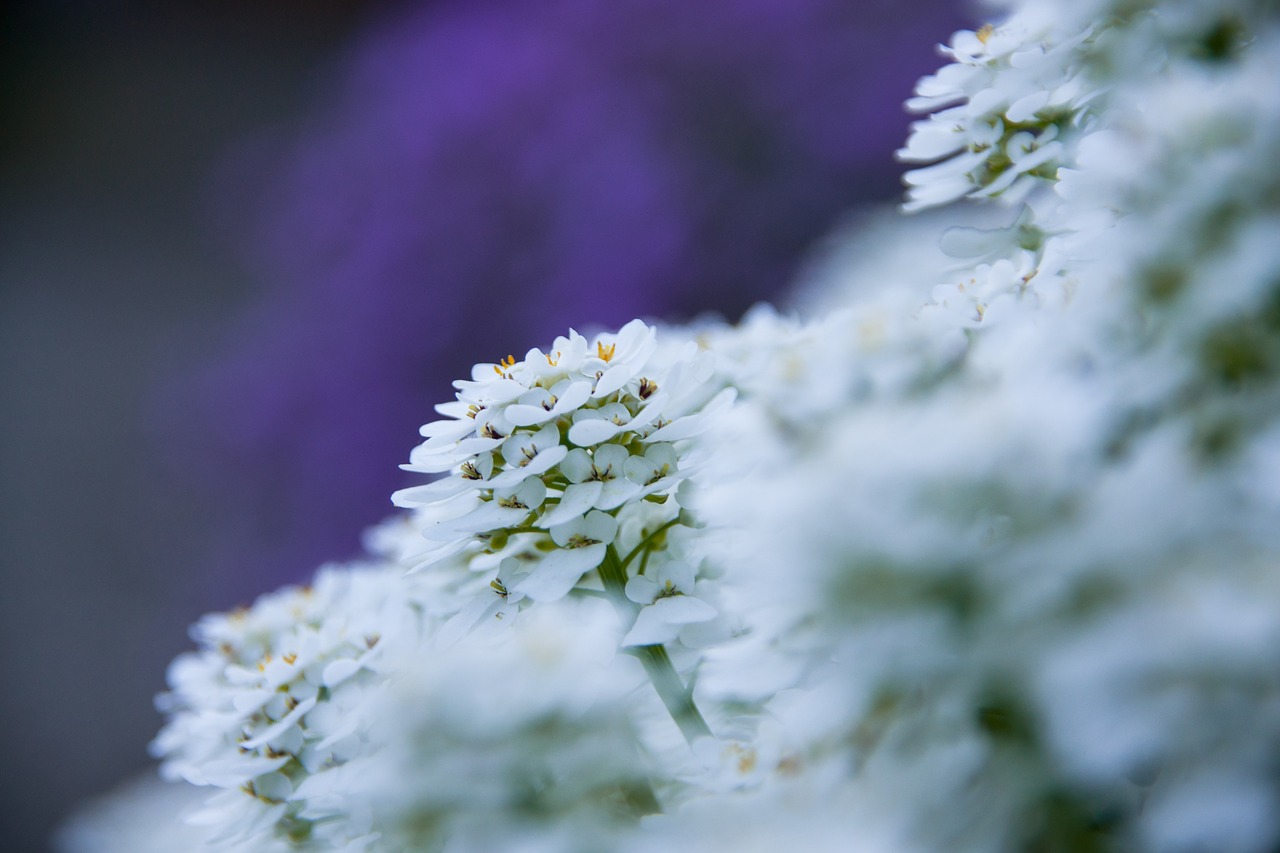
x=657, y=664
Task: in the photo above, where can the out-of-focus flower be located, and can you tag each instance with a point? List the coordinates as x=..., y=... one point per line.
x=272, y=698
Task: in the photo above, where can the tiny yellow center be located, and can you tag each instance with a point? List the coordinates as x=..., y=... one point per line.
x=503, y=366
x=985, y=33
x=605, y=353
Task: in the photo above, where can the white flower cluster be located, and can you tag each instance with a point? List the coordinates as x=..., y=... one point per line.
x=1045, y=563
x=999, y=111
x=543, y=453
x=980, y=557
x=271, y=700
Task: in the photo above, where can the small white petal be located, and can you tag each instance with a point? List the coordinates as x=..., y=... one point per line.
x=559, y=571
x=278, y=728
x=678, y=572
x=683, y=609
x=521, y=414
x=488, y=516
x=472, y=613
x=650, y=629
x=614, y=378
x=448, y=430
x=616, y=492
x=588, y=432
x=680, y=428
x=600, y=526
x=488, y=393
x=540, y=463
x=273, y=786
x=573, y=395
x=642, y=589
x=578, y=466
x=575, y=501
x=431, y=493
x=608, y=460
x=339, y=671
x=429, y=558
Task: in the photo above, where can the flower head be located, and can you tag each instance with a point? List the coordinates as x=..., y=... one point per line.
x=998, y=113
x=266, y=704
x=539, y=455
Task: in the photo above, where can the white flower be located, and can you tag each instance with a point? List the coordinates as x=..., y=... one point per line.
x=998, y=112
x=583, y=542
x=265, y=703
x=496, y=740
x=499, y=600
x=554, y=442
x=669, y=600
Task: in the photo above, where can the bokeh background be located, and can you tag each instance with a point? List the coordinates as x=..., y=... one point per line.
x=244, y=247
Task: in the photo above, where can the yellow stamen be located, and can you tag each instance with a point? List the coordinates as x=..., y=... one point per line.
x=289, y=658
x=605, y=353
x=985, y=33
x=553, y=361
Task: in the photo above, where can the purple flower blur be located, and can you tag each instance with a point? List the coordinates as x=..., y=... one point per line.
x=491, y=173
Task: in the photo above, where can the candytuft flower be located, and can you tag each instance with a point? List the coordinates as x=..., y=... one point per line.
x=998, y=113
x=266, y=703
x=539, y=455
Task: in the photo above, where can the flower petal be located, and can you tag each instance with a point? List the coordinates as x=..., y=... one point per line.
x=575, y=501
x=591, y=431
x=559, y=571
x=683, y=609
x=650, y=629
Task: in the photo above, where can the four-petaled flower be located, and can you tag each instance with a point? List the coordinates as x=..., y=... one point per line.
x=667, y=594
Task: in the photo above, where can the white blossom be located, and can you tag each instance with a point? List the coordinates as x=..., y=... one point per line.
x=999, y=111
x=269, y=701
x=540, y=454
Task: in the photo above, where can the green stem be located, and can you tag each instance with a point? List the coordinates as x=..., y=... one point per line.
x=657, y=663
x=672, y=691
x=647, y=541
x=614, y=577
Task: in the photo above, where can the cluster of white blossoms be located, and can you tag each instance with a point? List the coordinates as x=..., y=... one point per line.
x=978, y=551
x=1006, y=102
x=271, y=701
x=546, y=456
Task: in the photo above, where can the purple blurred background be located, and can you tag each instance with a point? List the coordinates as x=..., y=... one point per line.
x=245, y=246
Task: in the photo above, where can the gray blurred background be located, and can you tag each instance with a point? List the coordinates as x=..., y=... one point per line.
x=115, y=116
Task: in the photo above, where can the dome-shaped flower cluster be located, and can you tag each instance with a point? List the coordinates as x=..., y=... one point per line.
x=543, y=454
x=998, y=112
x=270, y=700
